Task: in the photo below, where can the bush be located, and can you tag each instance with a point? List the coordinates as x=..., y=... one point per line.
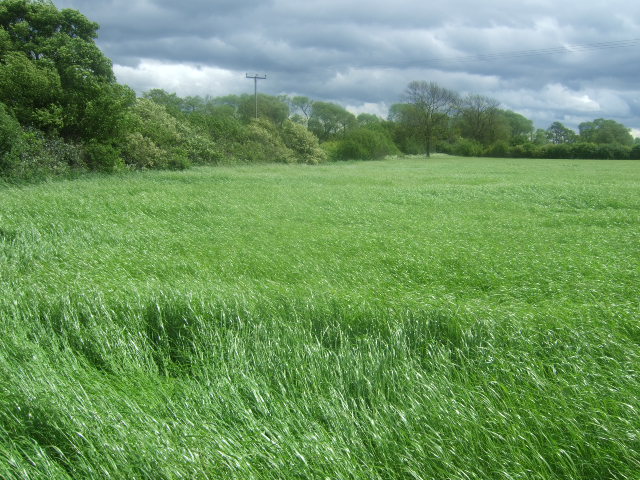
x=140, y=152
x=582, y=150
x=613, y=151
x=263, y=144
x=103, y=157
x=498, y=149
x=303, y=143
x=11, y=140
x=29, y=155
x=365, y=144
x=200, y=150
x=525, y=150
x=634, y=154
x=463, y=147
x=159, y=140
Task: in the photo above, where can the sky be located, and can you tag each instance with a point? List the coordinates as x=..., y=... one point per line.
x=547, y=60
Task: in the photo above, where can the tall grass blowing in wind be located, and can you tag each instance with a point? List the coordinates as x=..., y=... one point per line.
x=443, y=319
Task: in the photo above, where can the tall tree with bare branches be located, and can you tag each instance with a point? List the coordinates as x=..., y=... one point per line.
x=430, y=107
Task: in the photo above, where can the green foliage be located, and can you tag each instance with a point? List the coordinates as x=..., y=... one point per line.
x=301, y=107
x=464, y=147
x=264, y=144
x=365, y=144
x=103, y=157
x=520, y=128
x=525, y=150
x=171, y=101
x=303, y=143
x=329, y=121
x=140, y=151
x=32, y=91
x=603, y=131
x=479, y=119
x=557, y=133
x=10, y=131
x=53, y=76
x=404, y=136
x=634, y=153
x=498, y=149
x=269, y=107
x=156, y=139
x=428, y=111
x=28, y=155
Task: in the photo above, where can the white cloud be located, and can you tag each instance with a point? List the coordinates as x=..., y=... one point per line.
x=182, y=79
x=380, y=109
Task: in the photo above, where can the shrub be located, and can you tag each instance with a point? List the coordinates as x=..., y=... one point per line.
x=365, y=144
x=303, y=143
x=330, y=149
x=29, y=155
x=103, y=157
x=463, y=147
x=634, y=154
x=498, y=149
x=613, y=151
x=525, y=150
x=583, y=150
x=159, y=140
x=11, y=139
x=200, y=150
x=264, y=144
x=140, y=152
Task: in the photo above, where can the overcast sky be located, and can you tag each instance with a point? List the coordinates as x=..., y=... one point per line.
x=548, y=60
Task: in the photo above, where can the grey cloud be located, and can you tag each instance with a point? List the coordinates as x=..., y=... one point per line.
x=363, y=51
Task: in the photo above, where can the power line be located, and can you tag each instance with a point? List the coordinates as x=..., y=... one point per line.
x=567, y=49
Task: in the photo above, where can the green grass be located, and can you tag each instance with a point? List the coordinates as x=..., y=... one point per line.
x=422, y=319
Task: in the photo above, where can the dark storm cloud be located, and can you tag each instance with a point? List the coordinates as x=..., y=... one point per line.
x=546, y=58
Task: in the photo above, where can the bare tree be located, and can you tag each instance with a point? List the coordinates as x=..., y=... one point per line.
x=479, y=117
x=431, y=106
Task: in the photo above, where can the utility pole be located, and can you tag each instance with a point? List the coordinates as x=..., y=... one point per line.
x=256, y=77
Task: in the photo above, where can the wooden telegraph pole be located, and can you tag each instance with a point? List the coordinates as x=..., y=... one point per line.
x=256, y=77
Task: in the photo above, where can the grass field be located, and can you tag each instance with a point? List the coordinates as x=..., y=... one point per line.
x=403, y=319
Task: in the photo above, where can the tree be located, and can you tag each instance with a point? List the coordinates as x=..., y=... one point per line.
x=301, y=108
x=557, y=133
x=478, y=118
x=170, y=101
x=53, y=76
x=32, y=90
x=521, y=128
x=269, y=107
x=605, y=131
x=430, y=108
x=329, y=120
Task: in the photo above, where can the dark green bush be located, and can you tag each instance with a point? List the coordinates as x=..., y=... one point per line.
x=11, y=139
x=613, y=151
x=582, y=150
x=365, y=144
x=525, y=150
x=634, y=154
x=498, y=149
x=464, y=147
x=103, y=157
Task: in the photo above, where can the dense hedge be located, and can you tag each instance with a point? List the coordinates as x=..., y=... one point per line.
x=582, y=150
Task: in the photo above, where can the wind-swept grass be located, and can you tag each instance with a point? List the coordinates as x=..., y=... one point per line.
x=451, y=318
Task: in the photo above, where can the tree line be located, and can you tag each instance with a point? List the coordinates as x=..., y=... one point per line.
x=62, y=111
